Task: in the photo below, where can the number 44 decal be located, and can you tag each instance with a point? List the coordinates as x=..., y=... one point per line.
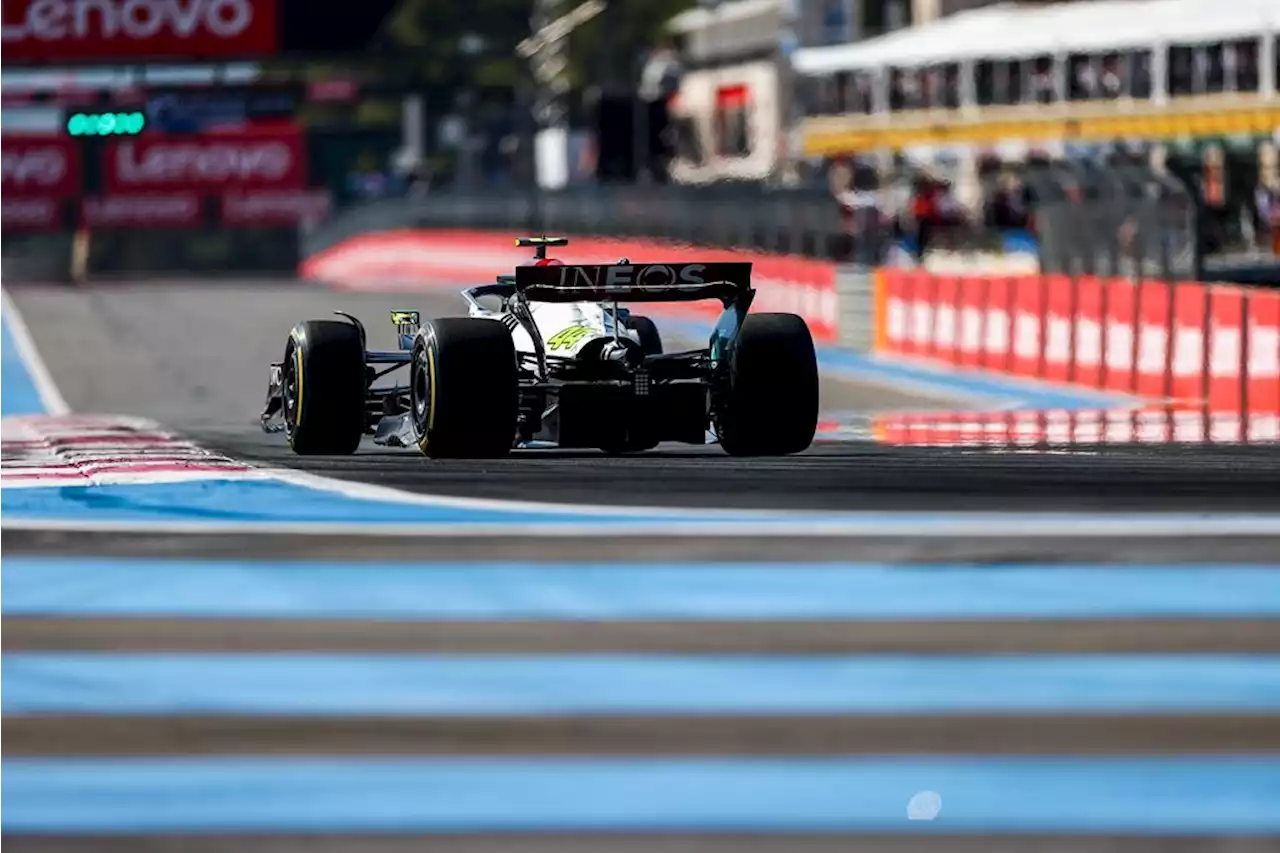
x=566, y=338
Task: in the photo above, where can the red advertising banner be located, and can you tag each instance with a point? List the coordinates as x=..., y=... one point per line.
x=40, y=166
x=38, y=213
x=1121, y=335
x=51, y=30
x=1089, y=332
x=142, y=210
x=1264, y=352
x=1208, y=345
x=275, y=207
x=261, y=159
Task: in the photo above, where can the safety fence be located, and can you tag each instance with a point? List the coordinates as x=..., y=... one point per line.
x=804, y=222
x=1118, y=219
x=1183, y=341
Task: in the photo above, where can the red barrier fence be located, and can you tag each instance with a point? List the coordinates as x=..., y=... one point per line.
x=1214, y=345
x=411, y=259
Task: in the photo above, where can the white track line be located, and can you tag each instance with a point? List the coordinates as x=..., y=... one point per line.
x=858, y=525
x=52, y=398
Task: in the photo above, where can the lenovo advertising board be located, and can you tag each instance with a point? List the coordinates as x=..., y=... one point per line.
x=28, y=213
x=252, y=159
x=141, y=210
x=272, y=207
x=40, y=165
x=100, y=30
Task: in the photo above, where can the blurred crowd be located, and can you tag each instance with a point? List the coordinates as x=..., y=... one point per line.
x=913, y=208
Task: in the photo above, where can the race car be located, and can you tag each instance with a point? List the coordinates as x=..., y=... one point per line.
x=548, y=357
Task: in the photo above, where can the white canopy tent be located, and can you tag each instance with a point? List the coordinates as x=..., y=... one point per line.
x=1010, y=31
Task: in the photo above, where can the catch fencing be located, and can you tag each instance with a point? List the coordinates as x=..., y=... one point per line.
x=806, y=223
x=1123, y=219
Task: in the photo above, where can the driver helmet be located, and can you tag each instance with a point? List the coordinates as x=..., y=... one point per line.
x=549, y=262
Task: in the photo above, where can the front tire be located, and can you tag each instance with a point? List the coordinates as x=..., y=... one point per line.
x=323, y=388
x=464, y=389
x=770, y=404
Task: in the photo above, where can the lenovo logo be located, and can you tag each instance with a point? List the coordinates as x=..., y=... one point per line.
x=205, y=163
x=55, y=20
x=84, y=28
x=39, y=167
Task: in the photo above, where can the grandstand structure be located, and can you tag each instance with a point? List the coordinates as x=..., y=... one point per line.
x=1048, y=76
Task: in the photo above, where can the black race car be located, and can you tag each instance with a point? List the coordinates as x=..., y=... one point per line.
x=552, y=359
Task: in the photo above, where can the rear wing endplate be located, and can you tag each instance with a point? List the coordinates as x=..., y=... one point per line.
x=656, y=282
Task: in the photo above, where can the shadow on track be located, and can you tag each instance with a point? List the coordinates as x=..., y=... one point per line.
x=830, y=476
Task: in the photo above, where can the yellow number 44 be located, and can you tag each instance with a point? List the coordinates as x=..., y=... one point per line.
x=566, y=338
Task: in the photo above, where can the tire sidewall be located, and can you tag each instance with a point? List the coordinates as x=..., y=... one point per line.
x=291, y=384
x=422, y=385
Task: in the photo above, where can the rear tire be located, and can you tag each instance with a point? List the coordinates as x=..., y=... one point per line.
x=647, y=331
x=324, y=388
x=464, y=388
x=770, y=407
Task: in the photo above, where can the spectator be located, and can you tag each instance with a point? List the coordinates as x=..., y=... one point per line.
x=1267, y=200
x=862, y=221
x=1010, y=205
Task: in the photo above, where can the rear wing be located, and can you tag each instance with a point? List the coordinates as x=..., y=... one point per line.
x=635, y=282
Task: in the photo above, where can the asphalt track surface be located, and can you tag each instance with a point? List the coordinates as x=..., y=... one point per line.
x=194, y=357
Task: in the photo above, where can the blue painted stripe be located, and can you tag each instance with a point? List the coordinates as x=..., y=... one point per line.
x=269, y=501
x=20, y=396
x=242, y=588
x=616, y=683
x=979, y=384
x=1221, y=795
x=261, y=504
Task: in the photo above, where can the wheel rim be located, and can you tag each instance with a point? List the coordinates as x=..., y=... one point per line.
x=420, y=390
x=289, y=392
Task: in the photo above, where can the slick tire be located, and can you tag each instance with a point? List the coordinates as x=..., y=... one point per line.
x=464, y=389
x=647, y=330
x=324, y=387
x=769, y=406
